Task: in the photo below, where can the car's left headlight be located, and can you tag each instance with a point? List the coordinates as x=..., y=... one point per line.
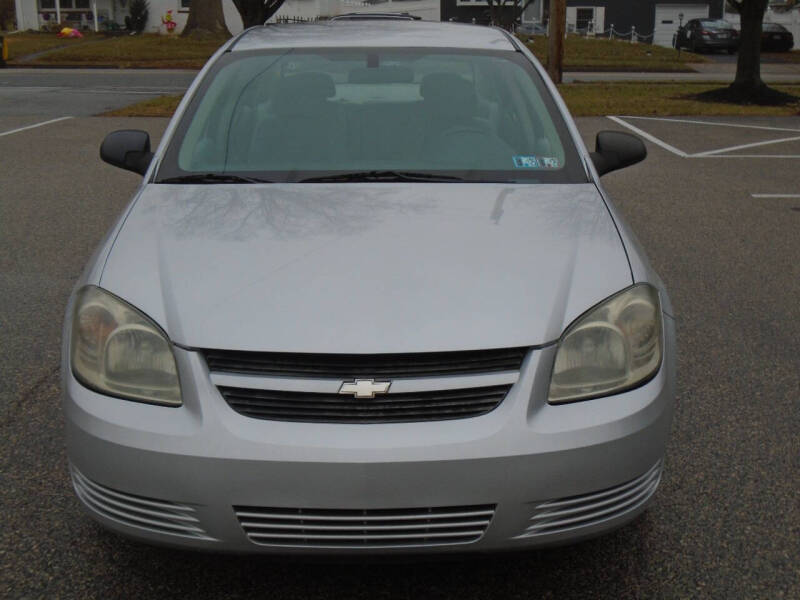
x=117, y=350
x=615, y=346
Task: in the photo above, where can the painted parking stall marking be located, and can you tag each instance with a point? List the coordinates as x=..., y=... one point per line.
x=34, y=126
x=744, y=146
x=712, y=123
x=650, y=137
x=725, y=152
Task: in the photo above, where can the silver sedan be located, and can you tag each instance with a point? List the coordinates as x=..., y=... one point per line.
x=370, y=297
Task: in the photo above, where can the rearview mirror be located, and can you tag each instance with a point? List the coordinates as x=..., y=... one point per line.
x=617, y=150
x=127, y=149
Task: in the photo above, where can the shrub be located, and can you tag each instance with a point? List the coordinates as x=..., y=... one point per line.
x=137, y=21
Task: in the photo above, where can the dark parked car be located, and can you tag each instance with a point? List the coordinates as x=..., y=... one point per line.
x=700, y=35
x=776, y=38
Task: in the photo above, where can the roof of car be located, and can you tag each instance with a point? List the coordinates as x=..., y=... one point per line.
x=374, y=34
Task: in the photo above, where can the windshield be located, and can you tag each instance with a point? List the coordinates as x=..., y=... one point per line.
x=772, y=27
x=307, y=114
x=716, y=24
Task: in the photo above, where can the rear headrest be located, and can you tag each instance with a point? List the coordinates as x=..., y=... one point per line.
x=303, y=89
x=448, y=91
x=390, y=74
x=445, y=84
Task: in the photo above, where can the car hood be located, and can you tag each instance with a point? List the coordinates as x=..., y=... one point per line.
x=366, y=268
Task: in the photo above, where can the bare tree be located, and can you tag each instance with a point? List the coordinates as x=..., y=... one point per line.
x=206, y=18
x=748, y=81
x=504, y=13
x=748, y=87
x=256, y=12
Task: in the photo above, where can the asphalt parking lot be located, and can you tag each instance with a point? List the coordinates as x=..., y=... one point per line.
x=717, y=205
x=83, y=92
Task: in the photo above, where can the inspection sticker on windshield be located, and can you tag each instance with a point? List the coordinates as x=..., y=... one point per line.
x=526, y=162
x=536, y=162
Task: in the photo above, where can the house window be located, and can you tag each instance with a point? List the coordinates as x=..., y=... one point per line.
x=583, y=16
x=65, y=3
x=81, y=3
x=45, y=4
x=186, y=4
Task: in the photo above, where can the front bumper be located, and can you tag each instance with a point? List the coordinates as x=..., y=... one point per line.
x=539, y=474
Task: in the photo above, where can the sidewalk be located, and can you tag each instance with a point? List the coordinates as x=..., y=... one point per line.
x=770, y=73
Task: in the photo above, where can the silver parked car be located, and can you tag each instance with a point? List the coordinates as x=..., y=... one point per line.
x=370, y=297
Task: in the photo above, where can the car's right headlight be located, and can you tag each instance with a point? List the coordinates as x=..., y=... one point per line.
x=117, y=350
x=615, y=346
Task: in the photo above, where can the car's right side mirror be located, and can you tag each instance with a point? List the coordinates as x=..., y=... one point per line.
x=127, y=149
x=617, y=150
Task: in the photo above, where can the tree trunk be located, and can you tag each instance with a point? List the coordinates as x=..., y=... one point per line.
x=517, y=9
x=748, y=67
x=256, y=12
x=206, y=17
x=555, y=41
x=493, y=9
x=506, y=15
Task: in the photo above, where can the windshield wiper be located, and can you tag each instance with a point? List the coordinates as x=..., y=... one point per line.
x=213, y=178
x=382, y=176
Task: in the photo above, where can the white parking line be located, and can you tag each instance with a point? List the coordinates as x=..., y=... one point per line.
x=719, y=153
x=647, y=136
x=34, y=126
x=743, y=146
x=746, y=156
x=775, y=195
x=712, y=123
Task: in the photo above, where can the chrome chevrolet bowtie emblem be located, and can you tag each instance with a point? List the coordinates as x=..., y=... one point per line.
x=365, y=388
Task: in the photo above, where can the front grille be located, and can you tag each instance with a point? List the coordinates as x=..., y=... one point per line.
x=435, y=405
x=368, y=528
x=350, y=366
x=151, y=514
x=566, y=514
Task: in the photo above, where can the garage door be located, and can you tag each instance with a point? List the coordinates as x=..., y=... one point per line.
x=668, y=19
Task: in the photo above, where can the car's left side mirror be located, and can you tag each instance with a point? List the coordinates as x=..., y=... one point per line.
x=617, y=150
x=127, y=149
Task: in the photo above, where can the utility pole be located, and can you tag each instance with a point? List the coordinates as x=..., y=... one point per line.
x=555, y=43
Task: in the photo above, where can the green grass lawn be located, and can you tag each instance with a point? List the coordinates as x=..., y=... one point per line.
x=163, y=51
x=23, y=44
x=145, y=50
x=662, y=99
x=163, y=106
x=593, y=54
x=793, y=56
x=583, y=100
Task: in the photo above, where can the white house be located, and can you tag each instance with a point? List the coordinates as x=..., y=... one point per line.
x=35, y=14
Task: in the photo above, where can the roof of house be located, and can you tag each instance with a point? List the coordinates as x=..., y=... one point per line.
x=378, y=34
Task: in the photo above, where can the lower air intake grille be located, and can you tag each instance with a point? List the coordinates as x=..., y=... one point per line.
x=436, y=405
x=566, y=514
x=158, y=516
x=371, y=528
